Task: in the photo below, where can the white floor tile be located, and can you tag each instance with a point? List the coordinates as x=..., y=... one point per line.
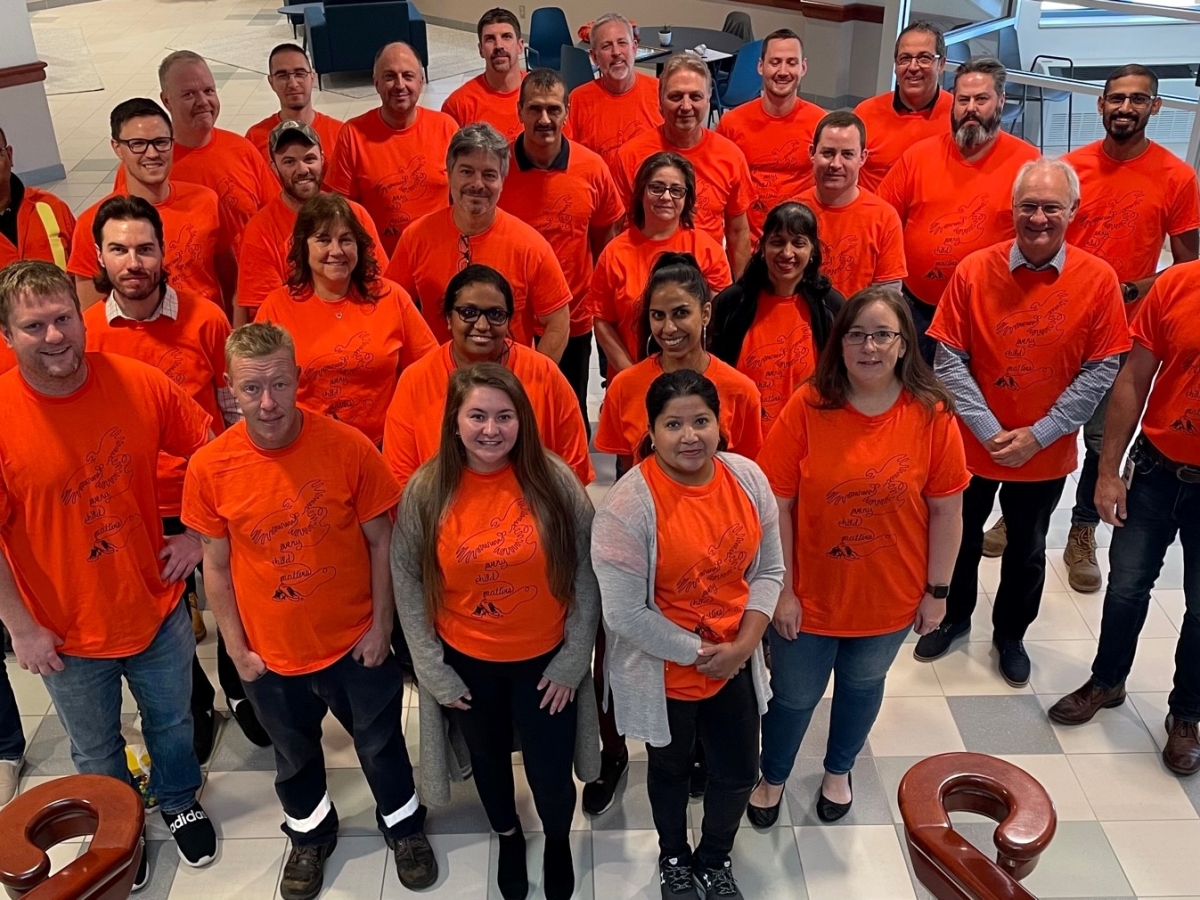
x=914, y=726
x=1152, y=708
x=1059, y=667
x=860, y=861
x=1154, y=665
x=243, y=804
x=910, y=678
x=1159, y=858
x=1131, y=786
x=972, y=668
x=462, y=870
x=1058, y=619
x=356, y=868
x=1118, y=730
x=32, y=697
x=1053, y=771
x=625, y=864
x=243, y=870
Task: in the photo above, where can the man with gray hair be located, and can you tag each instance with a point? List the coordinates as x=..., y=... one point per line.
x=473, y=230
x=1030, y=331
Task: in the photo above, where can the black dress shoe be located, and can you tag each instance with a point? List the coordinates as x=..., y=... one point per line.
x=827, y=810
x=1014, y=662
x=937, y=643
x=764, y=816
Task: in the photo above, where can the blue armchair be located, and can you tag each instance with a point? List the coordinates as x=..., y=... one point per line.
x=345, y=36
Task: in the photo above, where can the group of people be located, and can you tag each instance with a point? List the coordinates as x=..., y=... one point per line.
x=340, y=369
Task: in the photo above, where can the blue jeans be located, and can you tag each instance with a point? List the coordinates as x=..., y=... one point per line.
x=1159, y=506
x=800, y=671
x=87, y=695
x=12, y=737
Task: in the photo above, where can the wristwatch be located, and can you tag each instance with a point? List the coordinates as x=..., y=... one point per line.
x=938, y=591
x=1129, y=291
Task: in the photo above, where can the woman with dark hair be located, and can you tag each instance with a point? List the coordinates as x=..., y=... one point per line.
x=354, y=331
x=478, y=309
x=495, y=590
x=687, y=552
x=868, y=468
x=672, y=328
x=664, y=194
x=773, y=323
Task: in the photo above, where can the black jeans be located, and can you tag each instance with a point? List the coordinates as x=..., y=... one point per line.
x=726, y=724
x=922, y=314
x=576, y=357
x=367, y=703
x=504, y=694
x=12, y=736
x=612, y=742
x=1026, y=506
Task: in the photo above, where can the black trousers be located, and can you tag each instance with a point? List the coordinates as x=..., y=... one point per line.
x=1026, y=506
x=612, y=742
x=367, y=703
x=504, y=694
x=726, y=725
x=576, y=357
x=922, y=314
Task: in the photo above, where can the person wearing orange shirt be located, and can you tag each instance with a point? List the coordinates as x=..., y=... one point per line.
x=498, y=656
x=475, y=230
x=34, y=224
x=862, y=243
x=1157, y=500
x=294, y=513
x=90, y=589
x=199, y=241
x=775, y=130
x=661, y=222
x=492, y=96
x=867, y=466
x=355, y=332
x=1031, y=331
x=566, y=193
x=622, y=103
x=291, y=78
x=915, y=109
x=953, y=192
x=724, y=185
x=392, y=160
x=773, y=323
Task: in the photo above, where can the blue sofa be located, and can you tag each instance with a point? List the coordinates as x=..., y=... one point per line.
x=345, y=36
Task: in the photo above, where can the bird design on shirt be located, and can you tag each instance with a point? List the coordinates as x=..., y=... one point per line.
x=1038, y=324
x=722, y=563
x=400, y=189
x=502, y=599
x=510, y=538
x=841, y=258
x=172, y=364
x=770, y=171
x=106, y=472
x=111, y=534
x=302, y=582
x=556, y=218
x=299, y=523
x=963, y=225
x=878, y=492
x=183, y=253
x=1109, y=220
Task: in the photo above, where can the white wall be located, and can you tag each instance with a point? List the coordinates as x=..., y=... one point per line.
x=24, y=112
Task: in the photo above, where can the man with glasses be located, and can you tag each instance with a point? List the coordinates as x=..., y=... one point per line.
x=292, y=79
x=1031, y=331
x=916, y=109
x=34, y=224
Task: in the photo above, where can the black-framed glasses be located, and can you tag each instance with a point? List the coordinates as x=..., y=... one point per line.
x=138, y=146
x=286, y=75
x=470, y=314
x=1137, y=101
x=881, y=338
x=1049, y=210
x=920, y=60
x=657, y=189
x=464, y=254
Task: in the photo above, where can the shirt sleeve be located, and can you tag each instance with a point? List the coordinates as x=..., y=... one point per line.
x=418, y=339
x=256, y=277
x=742, y=195
x=892, y=265
x=785, y=448
x=599, y=298
x=399, y=438
x=951, y=366
x=376, y=491
x=198, y=510
x=1078, y=402
x=610, y=430
x=340, y=174
x=895, y=188
x=1185, y=210
x=948, y=473
x=1145, y=326
x=82, y=261
x=547, y=283
x=400, y=269
x=570, y=437
x=748, y=440
x=610, y=208
x=184, y=425
x=715, y=265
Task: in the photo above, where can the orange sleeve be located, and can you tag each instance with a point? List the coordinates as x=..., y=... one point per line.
x=368, y=223
x=82, y=261
x=624, y=169
x=786, y=447
x=600, y=295
x=1109, y=333
x=569, y=435
x=340, y=174
x=743, y=195
x=400, y=268
x=948, y=473
x=257, y=274
x=895, y=187
x=610, y=430
x=951, y=319
x=748, y=437
x=1145, y=325
x=418, y=339
x=400, y=451
x=452, y=106
x=199, y=510
x=891, y=265
x=185, y=425
x=610, y=205
x=714, y=263
x=1185, y=210
x=376, y=490
x=549, y=288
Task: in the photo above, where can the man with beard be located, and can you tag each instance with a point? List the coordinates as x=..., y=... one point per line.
x=492, y=96
x=774, y=131
x=953, y=192
x=291, y=78
x=299, y=162
x=392, y=160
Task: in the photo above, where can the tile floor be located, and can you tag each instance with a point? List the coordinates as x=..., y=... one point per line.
x=1128, y=828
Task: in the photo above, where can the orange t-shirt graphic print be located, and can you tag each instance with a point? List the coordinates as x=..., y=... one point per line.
x=778, y=353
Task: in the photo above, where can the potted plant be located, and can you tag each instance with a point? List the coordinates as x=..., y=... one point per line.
x=664, y=36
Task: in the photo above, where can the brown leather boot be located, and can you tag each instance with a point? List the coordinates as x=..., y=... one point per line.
x=1182, y=753
x=1079, y=706
x=1083, y=574
x=995, y=539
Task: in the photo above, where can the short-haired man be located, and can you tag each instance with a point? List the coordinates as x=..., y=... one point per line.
x=1157, y=500
x=612, y=110
x=392, y=160
x=566, y=193
x=917, y=108
x=775, y=131
x=1031, y=331
x=291, y=78
x=90, y=589
x=34, y=224
x=724, y=185
x=492, y=96
x=953, y=192
x=862, y=242
x=475, y=230
x=200, y=258
x=293, y=509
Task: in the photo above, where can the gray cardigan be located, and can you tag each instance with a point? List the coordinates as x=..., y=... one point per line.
x=443, y=751
x=640, y=637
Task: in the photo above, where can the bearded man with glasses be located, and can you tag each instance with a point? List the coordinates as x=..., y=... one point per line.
x=292, y=79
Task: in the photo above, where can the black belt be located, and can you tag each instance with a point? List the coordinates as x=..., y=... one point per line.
x=1184, y=472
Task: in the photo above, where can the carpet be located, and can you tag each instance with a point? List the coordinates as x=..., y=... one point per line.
x=69, y=67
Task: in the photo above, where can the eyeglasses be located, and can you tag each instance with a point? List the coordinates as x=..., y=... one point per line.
x=295, y=74
x=464, y=252
x=1137, y=101
x=138, y=146
x=494, y=316
x=921, y=60
x=1049, y=210
x=881, y=338
x=657, y=189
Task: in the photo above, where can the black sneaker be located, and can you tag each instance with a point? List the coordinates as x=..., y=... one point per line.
x=936, y=644
x=598, y=795
x=304, y=871
x=204, y=734
x=1014, y=662
x=142, y=878
x=415, y=862
x=247, y=719
x=675, y=879
x=718, y=883
x=194, y=835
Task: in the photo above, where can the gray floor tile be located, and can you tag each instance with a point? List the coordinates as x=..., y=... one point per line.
x=235, y=753
x=631, y=809
x=1003, y=725
x=49, y=751
x=164, y=862
x=870, y=796
x=919, y=889
x=463, y=815
x=891, y=770
x=95, y=165
x=817, y=735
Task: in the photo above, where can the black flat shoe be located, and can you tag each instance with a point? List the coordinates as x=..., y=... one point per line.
x=763, y=816
x=827, y=810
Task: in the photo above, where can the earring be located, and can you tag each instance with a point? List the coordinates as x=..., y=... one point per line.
x=704, y=336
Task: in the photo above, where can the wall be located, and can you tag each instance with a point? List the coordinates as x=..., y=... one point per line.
x=24, y=112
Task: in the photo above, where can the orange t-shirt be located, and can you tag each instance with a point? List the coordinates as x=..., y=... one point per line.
x=299, y=561
x=606, y=122
x=413, y=429
x=8, y=359
x=476, y=101
x=615, y=294
x=34, y=241
x=861, y=521
x=562, y=205
x=862, y=242
x=327, y=128
x=623, y=414
x=778, y=352
x=496, y=598
x=707, y=536
x=890, y=133
x=350, y=353
x=1166, y=325
x=192, y=236
x=950, y=208
x=266, y=243
x=79, y=518
x=776, y=149
x=399, y=175
x=428, y=256
x=724, y=186
x=1027, y=335
x=189, y=350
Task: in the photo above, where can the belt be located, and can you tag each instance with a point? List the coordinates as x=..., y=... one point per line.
x=1184, y=472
